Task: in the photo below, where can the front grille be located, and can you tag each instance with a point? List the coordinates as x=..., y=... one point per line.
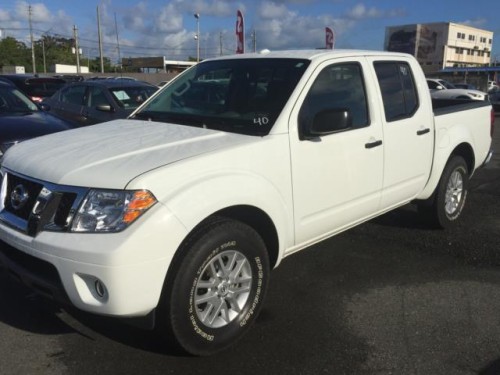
x=64, y=209
x=31, y=205
x=31, y=188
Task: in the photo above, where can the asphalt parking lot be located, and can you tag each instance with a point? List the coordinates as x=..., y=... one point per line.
x=391, y=296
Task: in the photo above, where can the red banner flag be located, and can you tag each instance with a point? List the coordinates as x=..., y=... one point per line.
x=330, y=38
x=240, y=33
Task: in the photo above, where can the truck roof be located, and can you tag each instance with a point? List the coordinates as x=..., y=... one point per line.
x=309, y=54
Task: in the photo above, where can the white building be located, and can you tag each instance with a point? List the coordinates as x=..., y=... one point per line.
x=440, y=45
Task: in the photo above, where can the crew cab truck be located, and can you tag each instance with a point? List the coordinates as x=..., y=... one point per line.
x=177, y=214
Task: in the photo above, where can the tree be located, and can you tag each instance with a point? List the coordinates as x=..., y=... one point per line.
x=57, y=51
x=14, y=53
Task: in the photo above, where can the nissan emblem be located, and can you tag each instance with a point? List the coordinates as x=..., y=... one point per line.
x=18, y=197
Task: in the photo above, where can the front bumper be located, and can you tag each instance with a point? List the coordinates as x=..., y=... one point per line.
x=115, y=274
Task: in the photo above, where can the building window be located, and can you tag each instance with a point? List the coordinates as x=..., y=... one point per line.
x=460, y=36
x=490, y=41
x=472, y=38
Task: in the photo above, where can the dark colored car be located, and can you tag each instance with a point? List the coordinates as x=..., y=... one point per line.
x=21, y=119
x=34, y=87
x=95, y=101
x=495, y=100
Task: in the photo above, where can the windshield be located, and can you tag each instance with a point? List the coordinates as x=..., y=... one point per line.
x=132, y=97
x=236, y=95
x=12, y=100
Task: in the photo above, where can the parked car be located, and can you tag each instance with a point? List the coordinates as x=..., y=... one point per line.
x=34, y=87
x=21, y=119
x=441, y=89
x=95, y=101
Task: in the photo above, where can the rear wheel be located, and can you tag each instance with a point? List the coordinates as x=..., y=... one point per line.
x=449, y=198
x=217, y=287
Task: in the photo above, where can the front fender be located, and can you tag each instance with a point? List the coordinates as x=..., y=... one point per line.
x=204, y=194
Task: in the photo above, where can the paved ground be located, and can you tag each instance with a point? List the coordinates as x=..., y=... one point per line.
x=389, y=297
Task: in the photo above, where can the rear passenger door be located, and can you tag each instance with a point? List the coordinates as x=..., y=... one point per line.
x=408, y=130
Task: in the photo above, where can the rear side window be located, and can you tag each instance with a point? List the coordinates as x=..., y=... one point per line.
x=398, y=89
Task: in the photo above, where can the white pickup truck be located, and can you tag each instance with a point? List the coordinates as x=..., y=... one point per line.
x=177, y=214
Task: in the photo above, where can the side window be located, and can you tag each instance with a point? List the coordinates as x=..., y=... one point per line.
x=338, y=87
x=432, y=85
x=398, y=89
x=73, y=95
x=97, y=97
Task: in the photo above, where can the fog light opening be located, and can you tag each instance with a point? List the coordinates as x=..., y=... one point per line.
x=100, y=289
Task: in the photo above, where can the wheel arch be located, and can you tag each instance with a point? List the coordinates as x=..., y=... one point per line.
x=252, y=216
x=463, y=149
x=260, y=222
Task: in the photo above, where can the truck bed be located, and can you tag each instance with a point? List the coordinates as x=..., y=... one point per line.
x=445, y=106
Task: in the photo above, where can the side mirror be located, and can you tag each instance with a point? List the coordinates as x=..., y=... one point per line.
x=439, y=87
x=327, y=122
x=104, y=108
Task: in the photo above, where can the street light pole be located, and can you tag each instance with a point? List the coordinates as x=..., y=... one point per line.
x=197, y=16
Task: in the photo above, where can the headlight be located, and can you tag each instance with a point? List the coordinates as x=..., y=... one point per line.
x=111, y=210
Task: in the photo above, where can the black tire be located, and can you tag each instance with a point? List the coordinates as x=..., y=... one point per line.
x=445, y=206
x=213, y=271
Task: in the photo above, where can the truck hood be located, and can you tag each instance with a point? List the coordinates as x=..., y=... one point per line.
x=110, y=155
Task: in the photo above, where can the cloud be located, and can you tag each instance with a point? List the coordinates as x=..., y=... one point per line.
x=477, y=22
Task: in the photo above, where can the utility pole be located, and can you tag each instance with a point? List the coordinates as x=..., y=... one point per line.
x=220, y=42
x=100, y=39
x=77, y=49
x=43, y=53
x=254, y=41
x=118, y=45
x=197, y=16
x=31, y=38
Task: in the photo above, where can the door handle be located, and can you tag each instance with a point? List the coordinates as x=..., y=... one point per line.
x=423, y=131
x=373, y=144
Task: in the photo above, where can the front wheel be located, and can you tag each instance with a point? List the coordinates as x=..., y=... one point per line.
x=217, y=287
x=450, y=195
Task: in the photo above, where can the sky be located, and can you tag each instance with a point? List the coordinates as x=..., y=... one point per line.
x=134, y=28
